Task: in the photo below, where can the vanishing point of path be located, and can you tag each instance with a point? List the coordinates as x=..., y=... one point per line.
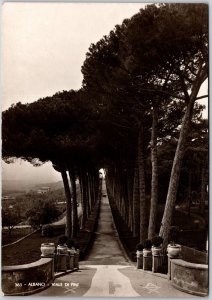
x=106, y=271
x=106, y=249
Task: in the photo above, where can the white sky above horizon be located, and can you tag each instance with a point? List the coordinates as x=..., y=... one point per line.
x=43, y=49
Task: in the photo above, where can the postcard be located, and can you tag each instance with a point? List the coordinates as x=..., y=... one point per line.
x=105, y=149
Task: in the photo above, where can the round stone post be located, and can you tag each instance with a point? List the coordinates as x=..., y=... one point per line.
x=48, y=251
x=174, y=251
x=76, y=259
x=62, y=258
x=156, y=259
x=139, y=255
x=147, y=260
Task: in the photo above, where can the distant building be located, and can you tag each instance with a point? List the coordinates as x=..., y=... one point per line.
x=8, y=198
x=43, y=190
x=8, y=201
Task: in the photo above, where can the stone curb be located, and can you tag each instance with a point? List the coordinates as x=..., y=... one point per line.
x=164, y=276
x=59, y=274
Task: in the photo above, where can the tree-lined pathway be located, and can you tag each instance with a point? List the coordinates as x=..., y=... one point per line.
x=106, y=271
x=106, y=250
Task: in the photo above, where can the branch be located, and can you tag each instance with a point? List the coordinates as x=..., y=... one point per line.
x=163, y=92
x=201, y=97
x=183, y=85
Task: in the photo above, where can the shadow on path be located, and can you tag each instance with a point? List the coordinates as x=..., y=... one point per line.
x=105, y=249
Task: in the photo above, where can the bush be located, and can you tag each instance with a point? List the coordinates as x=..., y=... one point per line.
x=147, y=244
x=62, y=240
x=70, y=243
x=42, y=213
x=77, y=246
x=47, y=230
x=174, y=234
x=157, y=241
x=139, y=247
x=10, y=218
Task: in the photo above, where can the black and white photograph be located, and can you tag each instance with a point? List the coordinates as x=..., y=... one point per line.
x=105, y=149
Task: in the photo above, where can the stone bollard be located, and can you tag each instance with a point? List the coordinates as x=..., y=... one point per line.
x=62, y=262
x=76, y=259
x=156, y=259
x=169, y=267
x=70, y=264
x=71, y=261
x=174, y=252
x=139, y=255
x=62, y=258
x=156, y=263
x=147, y=260
x=48, y=251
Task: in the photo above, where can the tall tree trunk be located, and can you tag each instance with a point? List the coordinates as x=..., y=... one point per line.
x=154, y=183
x=81, y=198
x=68, y=204
x=84, y=198
x=93, y=200
x=75, y=222
x=136, y=204
x=88, y=211
x=130, y=197
x=176, y=168
x=203, y=190
x=142, y=186
x=90, y=190
x=126, y=202
x=189, y=192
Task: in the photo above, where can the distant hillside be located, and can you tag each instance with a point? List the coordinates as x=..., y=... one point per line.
x=53, y=185
x=25, y=185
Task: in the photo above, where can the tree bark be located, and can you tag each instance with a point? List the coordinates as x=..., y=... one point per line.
x=130, y=197
x=203, y=190
x=88, y=208
x=176, y=168
x=142, y=186
x=136, y=206
x=189, y=192
x=75, y=222
x=84, y=198
x=68, y=204
x=154, y=183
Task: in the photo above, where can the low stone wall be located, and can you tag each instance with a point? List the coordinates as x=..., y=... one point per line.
x=26, y=279
x=189, y=277
x=193, y=255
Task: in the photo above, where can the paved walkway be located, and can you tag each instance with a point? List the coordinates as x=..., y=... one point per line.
x=106, y=272
x=105, y=250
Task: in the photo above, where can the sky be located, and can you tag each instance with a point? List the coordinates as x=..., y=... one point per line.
x=43, y=49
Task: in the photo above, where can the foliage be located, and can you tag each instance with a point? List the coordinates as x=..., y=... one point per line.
x=27, y=200
x=47, y=230
x=174, y=234
x=42, y=213
x=10, y=218
x=70, y=243
x=157, y=241
x=62, y=240
x=139, y=247
x=147, y=244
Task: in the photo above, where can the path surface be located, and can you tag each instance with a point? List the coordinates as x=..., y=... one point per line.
x=105, y=250
x=106, y=272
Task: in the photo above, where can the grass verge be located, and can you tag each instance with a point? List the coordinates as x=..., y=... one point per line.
x=17, y=233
